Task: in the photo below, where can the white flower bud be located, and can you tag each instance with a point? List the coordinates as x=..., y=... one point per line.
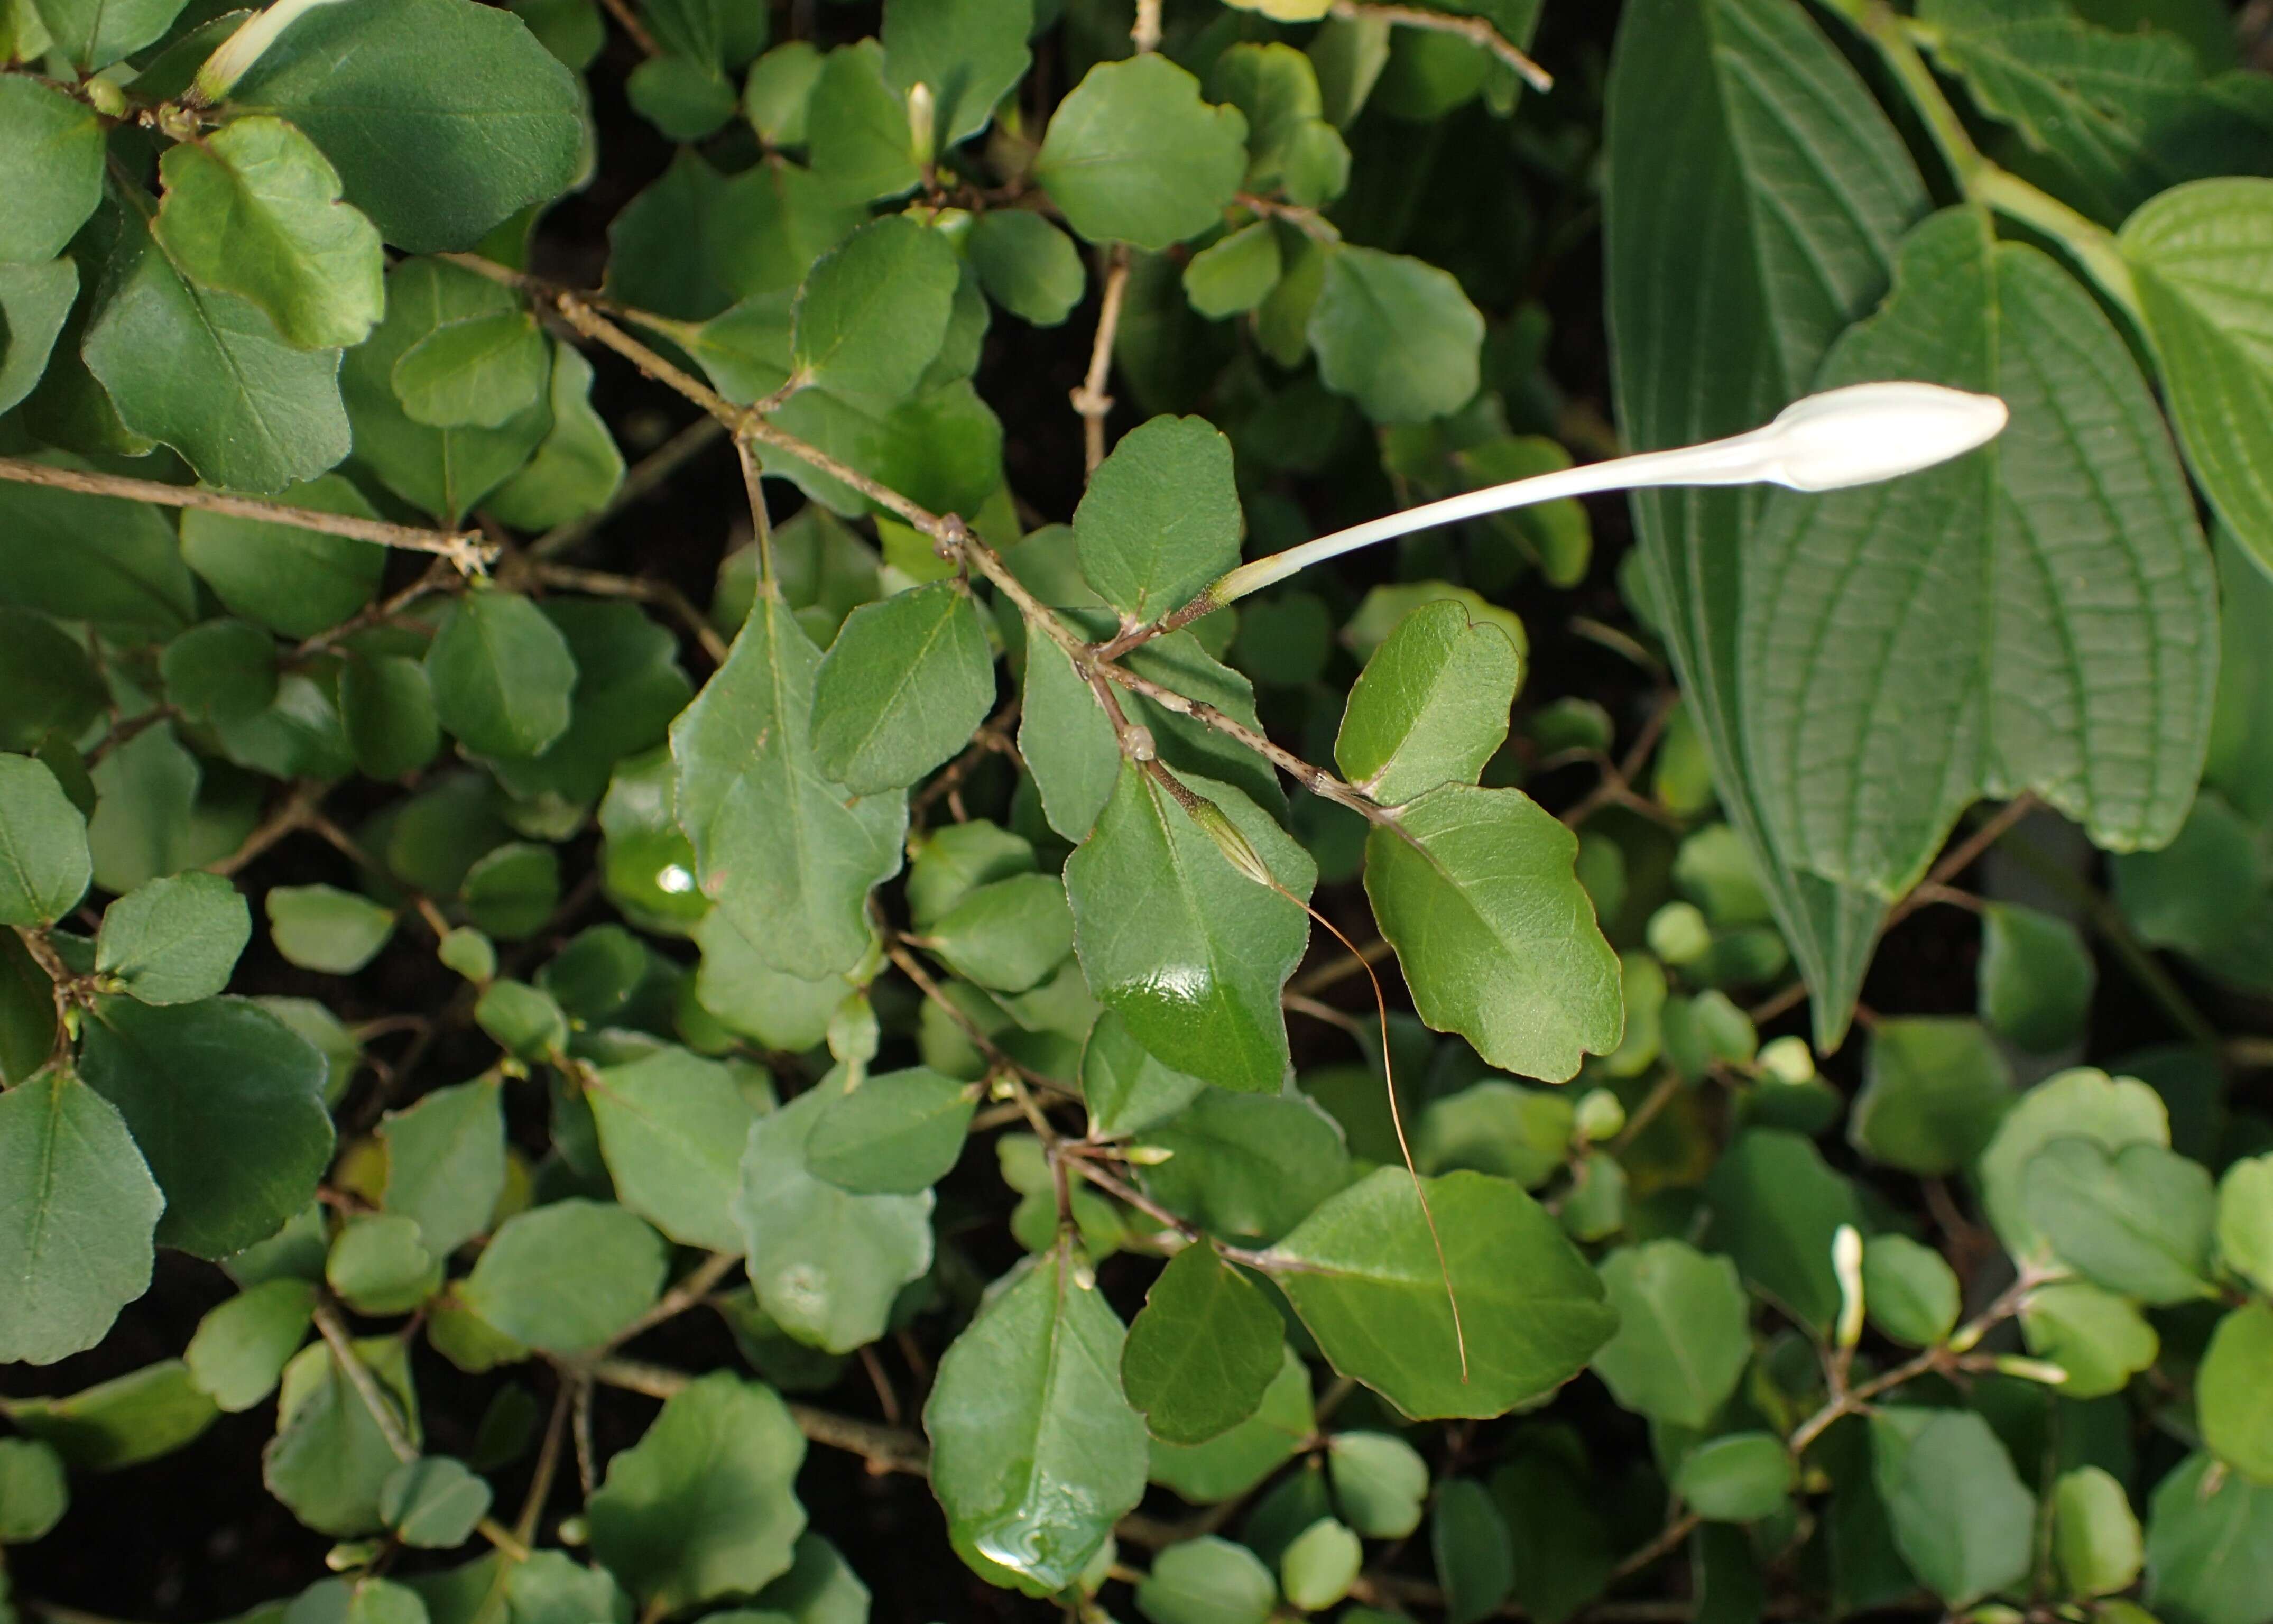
x=1870, y=431
x=242, y=48
x=1847, y=1265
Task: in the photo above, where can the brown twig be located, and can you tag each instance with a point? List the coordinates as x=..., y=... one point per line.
x=698, y=1284
x=288, y=817
x=662, y=594
x=887, y=1448
x=628, y=19
x=467, y=552
x=1317, y=780
x=1090, y=401
x=1473, y=29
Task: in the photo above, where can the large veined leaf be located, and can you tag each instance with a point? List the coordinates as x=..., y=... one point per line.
x=2201, y=260
x=2115, y=116
x=789, y=855
x=2040, y=614
x=1035, y=1453
x=1756, y=198
x=1363, y=1276
x=1476, y=891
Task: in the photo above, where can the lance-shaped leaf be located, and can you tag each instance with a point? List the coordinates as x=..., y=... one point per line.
x=1431, y=706
x=205, y=372
x=2039, y=615
x=1189, y=951
x=254, y=209
x=1754, y=177
x=1475, y=890
x=1363, y=1276
x=789, y=855
x=76, y=1208
x=226, y=1103
x=441, y=118
x=2201, y=260
x=902, y=688
x=1035, y=1453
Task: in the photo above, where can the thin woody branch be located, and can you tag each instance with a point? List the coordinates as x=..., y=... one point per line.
x=469, y=552
x=1473, y=29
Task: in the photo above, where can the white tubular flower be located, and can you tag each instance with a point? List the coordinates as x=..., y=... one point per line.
x=1865, y=433
x=221, y=70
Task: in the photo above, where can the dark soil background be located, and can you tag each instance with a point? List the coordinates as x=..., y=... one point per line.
x=195, y=1537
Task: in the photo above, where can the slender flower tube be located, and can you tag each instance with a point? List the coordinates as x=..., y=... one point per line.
x=1857, y=435
x=242, y=48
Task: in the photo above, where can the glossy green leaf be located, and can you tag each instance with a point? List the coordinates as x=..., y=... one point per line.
x=1160, y=518
x=139, y=1416
x=502, y=675
x=1134, y=155
x=1249, y=1165
x=1430, y=707
x=1380, y=1483
x=1201, y=1353
x=2136, y=1221
x=858, y=128
x=1188, y=949
x=2095, y=1536
x=204, y=371
x=1737, y=1477
x=902, y=688
x=705, y=1504
x=826, y=1263
x=1961, y=1517
x=1475, y=890
x=1007, y=936
x=445, y=471
x=968, y=53
x=226, y=1103
x=445, y=1162
x=2070, y=650
x=873, y=312
x=2099, y=1339
x=2210, y=1544
x=1124, y=1088
x=1235, y=273
x=35, y=302
x=51, y=170
x=1362, y=1273
x=1775, y=1207
x=441, y=118
x=2231, y=1396
x=577, y=466
x=2114, y=1111
x=44, y=865
x=242, y=1346
x=386, y=709
x=2197, y=258
x=1475, y=1560
x=789, y=863
x=566, y=1277
x=1026, y=264
x=76, y=1208
x=254, y=209
x=1909, y=1293
x=94, y=35
x=1497, y=1127
x=898, y=1133
x=2245, y=1219
x=1684, y=1335
x=1035, y=1453
x=1235, y=1462
x=433, y=1502
x=34, y=1492
x=1935, y=1087
x=671, y=1127
x=1396, y=334
x=2036, y=977
x=174, y=940
x=378, y=1265
x=329, y=1459
x=480, y=373
x=1319, y=1565
x=293, y=581
x=1753, y=175
x=1207, y=1581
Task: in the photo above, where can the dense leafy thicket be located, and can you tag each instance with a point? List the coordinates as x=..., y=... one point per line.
x=698, y=1005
